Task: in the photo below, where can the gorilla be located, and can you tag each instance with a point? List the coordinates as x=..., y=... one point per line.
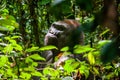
x=61, y=34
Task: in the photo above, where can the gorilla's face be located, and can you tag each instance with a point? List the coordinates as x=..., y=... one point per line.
x=58, y=34
x=64, y=33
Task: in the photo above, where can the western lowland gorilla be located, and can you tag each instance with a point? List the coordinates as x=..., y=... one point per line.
x=61, y=34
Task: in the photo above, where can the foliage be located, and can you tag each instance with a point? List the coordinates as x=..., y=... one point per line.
x=24, y=23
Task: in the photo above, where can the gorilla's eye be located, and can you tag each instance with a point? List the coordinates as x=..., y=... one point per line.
x=59, y=27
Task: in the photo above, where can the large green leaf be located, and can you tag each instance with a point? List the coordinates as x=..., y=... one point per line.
x=70, y=65
x=36, y=73
x=84, y=70
x=65, y=48
x=49, y=47
x=25, y=75
x=3, y=60
x=103, y=42
x=50, y=71
x=8, y=49
x=91, y=58
x=32, y=49
x=36, y=57
x=81, y=49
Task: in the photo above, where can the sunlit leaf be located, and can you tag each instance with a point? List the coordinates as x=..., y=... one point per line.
x=96, y=71
x=82, y=49
x=65, y=48
x=12, y=41
x=84, y=70
x=28, y=60
x=104, y=32
x=32, y=49
x=49, y=47
x=35, y=64
x=7, y=38
x=91, y=58
x=70, y=65
x=25, y=75
x=50, y=71
x=36, y=57
x=3, y=60
x=9, y=72
x=14, y=37
x=17, y=47
x=36, y=73
x=8, y=49
x=108, y=67
x=103, y=42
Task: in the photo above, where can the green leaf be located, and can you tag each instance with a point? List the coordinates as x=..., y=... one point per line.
x=91, y=58
x=103, y=42
x=8, y=49
x=36, y=57
x=49, y=47
x=65, y=49
x=9, y=72
x=96, y=71
x=28, y=60
x=50, y=71
x=29, y=68
x=104, y=32
x=25, y=76
x=12, y=41
x=108, y=67
x=81, y=49
x=36, y=73
x=3, y=60
x=17, y=47
x=70, y=65
x=14, y=37
x=32, y=49
x=84, y=70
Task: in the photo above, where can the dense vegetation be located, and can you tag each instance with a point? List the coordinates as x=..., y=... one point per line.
x=24, y=23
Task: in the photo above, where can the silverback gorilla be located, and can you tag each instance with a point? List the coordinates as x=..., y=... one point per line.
x=61, y=34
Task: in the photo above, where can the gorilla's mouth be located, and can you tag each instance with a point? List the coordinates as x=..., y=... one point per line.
x=52, y=39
